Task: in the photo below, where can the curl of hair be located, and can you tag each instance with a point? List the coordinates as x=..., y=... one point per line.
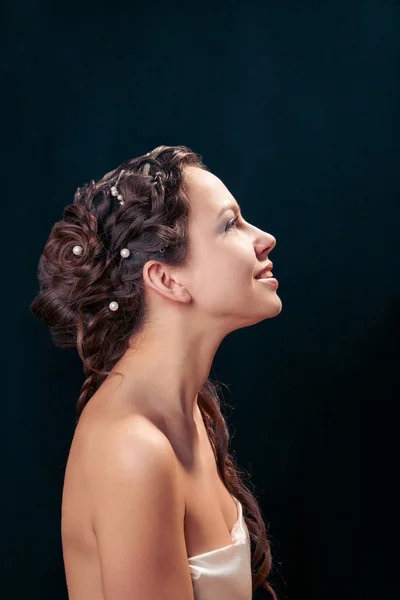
x=75, y=291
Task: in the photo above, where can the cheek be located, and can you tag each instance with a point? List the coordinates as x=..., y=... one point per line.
x=232, y=269
x=224, y=281
x=220, y=271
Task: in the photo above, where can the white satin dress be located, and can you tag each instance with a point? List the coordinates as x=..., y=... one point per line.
x=225, y=573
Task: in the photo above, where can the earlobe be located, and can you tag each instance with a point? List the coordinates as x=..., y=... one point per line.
x=177, y=291
x=182, y=294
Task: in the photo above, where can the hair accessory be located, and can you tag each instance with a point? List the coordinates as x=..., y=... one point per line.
x=125, y=252
x=114, y=189
x=77, y=250
x=113, y=305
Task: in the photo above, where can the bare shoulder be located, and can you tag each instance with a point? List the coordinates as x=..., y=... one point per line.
x=138, y=510
x=134, y=450
x=134, y=437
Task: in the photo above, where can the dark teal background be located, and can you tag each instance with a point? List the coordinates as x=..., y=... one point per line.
x=294, y=105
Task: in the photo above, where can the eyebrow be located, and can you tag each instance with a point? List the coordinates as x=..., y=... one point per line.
x=233, y=207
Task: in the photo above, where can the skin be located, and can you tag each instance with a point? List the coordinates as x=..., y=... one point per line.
x=142, y=492
x=192, y=309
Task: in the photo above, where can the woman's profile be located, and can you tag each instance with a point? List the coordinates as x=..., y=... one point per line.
x=149, y=270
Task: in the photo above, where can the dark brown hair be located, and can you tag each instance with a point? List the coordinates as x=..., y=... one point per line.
x=75, y=292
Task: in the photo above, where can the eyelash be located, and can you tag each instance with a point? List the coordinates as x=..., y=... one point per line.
x=231, y=223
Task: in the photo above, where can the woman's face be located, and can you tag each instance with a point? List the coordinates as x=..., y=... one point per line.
x=226, y=255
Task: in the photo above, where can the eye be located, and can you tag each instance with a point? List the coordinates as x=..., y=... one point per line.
x=231, y=223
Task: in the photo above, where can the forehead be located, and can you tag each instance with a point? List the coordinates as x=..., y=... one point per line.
x=207, y=193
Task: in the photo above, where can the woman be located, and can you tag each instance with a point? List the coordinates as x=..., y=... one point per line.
x=149, y=270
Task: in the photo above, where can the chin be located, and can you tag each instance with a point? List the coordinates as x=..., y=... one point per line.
x=273, y=309
x=278, y=306
x=270, y=310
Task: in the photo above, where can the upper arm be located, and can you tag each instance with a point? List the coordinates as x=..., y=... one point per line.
x=138, y=518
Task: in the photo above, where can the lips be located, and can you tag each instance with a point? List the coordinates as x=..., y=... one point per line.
x=265, y=272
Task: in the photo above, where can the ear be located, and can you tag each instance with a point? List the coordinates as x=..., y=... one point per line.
x=164, y=280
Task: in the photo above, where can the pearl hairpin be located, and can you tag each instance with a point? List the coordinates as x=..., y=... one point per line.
x=114, y=189
x=114, y=192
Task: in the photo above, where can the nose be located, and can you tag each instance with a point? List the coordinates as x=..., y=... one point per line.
x=272, y=242
x=265, y=243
